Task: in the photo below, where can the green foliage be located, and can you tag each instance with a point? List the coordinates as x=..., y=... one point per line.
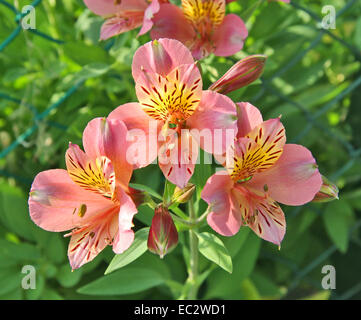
x=213, y=249
x=308, y=79
x=137, y=248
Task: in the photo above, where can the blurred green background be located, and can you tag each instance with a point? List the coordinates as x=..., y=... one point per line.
x=58, y=77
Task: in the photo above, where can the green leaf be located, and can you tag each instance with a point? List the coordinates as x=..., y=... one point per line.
x=145, y=214
x=221, y=284
x=68, y=278
x=137, y=248
x=55, y=250
x=249, y=290
x=234, y=243
x=142, y=187
x=202, y=171
x=84, y=54
x=357, y=37
x=168, y=191
x=19, y=251
x=14, y=211
x=34, y=294
x=211, y=247
x=10, y=279
x=124, y=281
x=337, y=221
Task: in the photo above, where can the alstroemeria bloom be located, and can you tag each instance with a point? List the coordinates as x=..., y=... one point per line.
x=261, y=171
x=169, y=90
x=91, y=198
x=202, y=26
x=124, y=15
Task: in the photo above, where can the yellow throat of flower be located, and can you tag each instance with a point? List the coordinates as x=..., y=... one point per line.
x=204, y=15
x=173, y=97
x=255, y=153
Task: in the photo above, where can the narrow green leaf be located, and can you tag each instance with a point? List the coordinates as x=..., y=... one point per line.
x=124, y=281
x=168, y=191
x=211, y=247
x=138, y=247
x=142, y=187
x=337, y=220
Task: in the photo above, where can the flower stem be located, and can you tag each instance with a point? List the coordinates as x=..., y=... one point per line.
x=193, y=269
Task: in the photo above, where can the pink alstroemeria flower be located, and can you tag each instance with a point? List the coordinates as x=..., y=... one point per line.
x=91, y=198
x=124, y=15
x=261, y=171
x=169, y=90
x=202, y=26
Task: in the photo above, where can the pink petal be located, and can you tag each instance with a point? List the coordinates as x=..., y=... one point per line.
x=177, y=157
x=102, y=8
x=117, y=25
x=175, y=96
x=249, y=117
x=169, y=55
x=258, y=151
x=55, y=202
x=86, y=243
x=229, y=36
x=108, y=137
x=142, y=133
x=217, y=192
x=214, y=123
x=149, y=13
x=261, y=213
x=294, y=179
x=170, y=22
x=125, y=234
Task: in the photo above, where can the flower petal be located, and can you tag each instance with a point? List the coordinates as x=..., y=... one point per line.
x=117, y=25
x=103, y=8
x=142, y=133
x=56, y=203
x=149, y=59
x=170, y=22
x=214, y=123
x=172, y=97
x=108, y=137
x=149, y=13
x=125, y=235
x=294, y=179
x=224, y=217
x=229, y=36
x=258, y=151
x=261, y=213
x=249, y=117
x=86, y=243
x=177, y=157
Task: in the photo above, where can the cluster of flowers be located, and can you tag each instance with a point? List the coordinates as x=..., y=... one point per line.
x=173, y=117
x=201, y=25
x=93, y=199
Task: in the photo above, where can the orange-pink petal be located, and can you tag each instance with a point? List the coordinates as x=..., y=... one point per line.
x=214, y=123
x=294, y=179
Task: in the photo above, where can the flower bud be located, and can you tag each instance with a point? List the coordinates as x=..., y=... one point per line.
x=163, y=235
x=183, y=195
x=241, y=74
x=328, y=191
